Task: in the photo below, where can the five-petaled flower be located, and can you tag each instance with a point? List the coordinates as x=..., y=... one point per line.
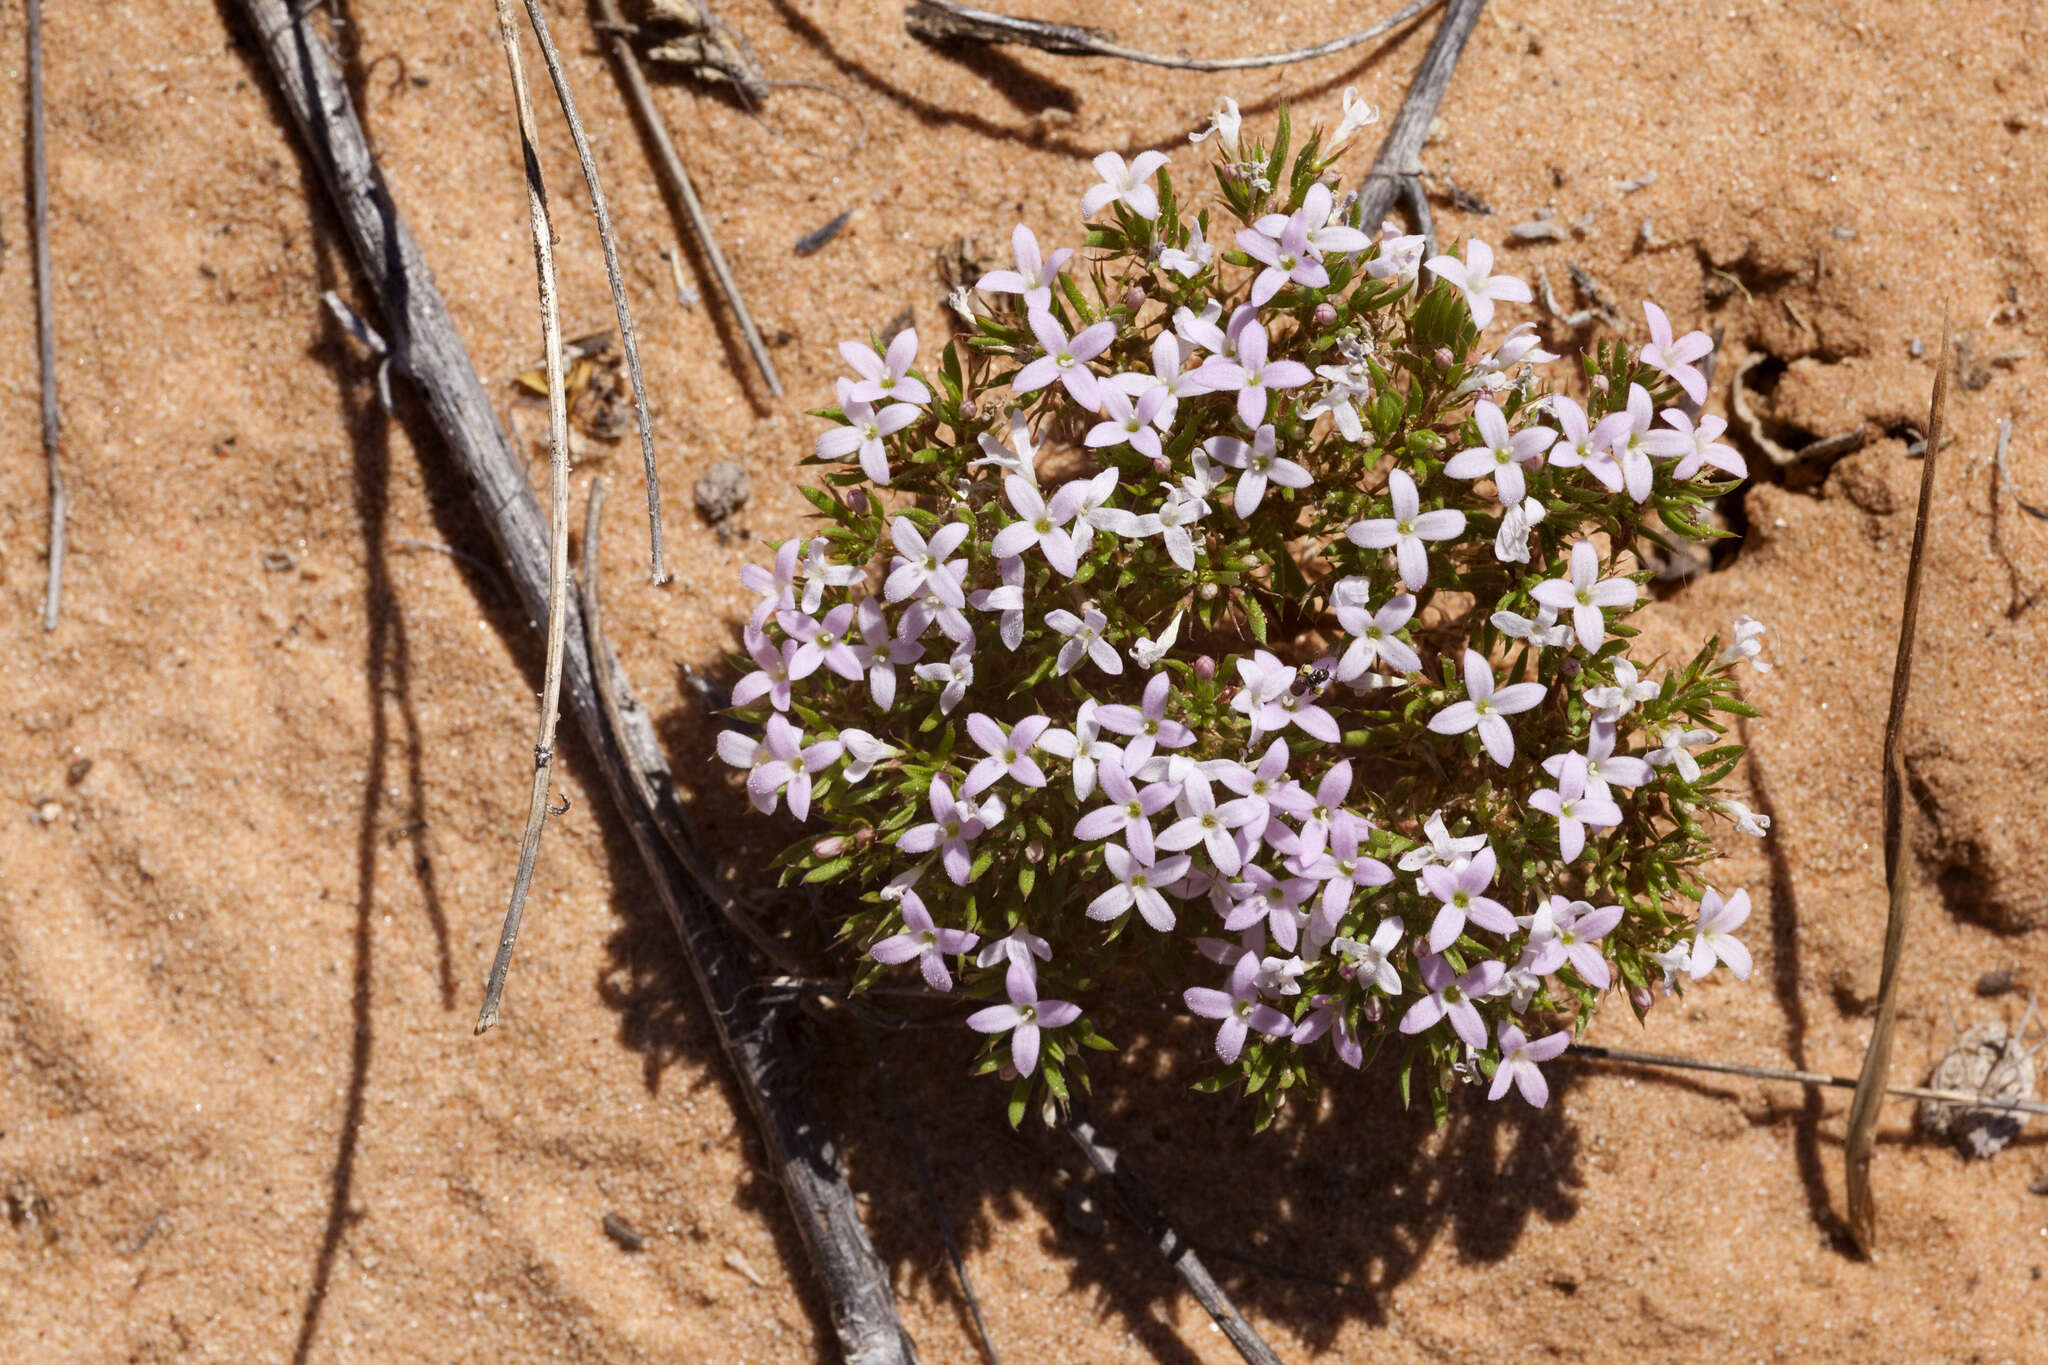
x=1486, y=709
x=1404, y=532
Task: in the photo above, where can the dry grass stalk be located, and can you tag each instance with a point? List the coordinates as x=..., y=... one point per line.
x=658, y=565
x=46, y=325
x=558, y=488
x=1870, y=1085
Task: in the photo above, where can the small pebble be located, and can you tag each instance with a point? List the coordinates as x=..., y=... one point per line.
x=1084, y=1215
x=1995, y=983
x=76, y=773
x=1916, y=348
x=723, y=490
x=624, y=1233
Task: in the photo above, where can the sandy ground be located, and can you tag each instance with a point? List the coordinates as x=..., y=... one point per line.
x=260, y=813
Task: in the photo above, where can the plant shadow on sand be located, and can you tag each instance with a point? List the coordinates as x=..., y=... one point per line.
x=1312, y=1224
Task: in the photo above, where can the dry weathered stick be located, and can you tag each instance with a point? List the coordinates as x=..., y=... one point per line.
x=46, y=324
x=944, y=21
x=1174, y=1247
x=795, y=1146
x=1821, y=1078
x=1877, y=1061
x=1398, y=160
x=558, y=498
x=670, y=164
x=658, y=562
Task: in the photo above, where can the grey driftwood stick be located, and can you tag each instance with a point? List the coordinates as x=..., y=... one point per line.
x=1178, y=1251
x=1399, y=160
x=428, y=350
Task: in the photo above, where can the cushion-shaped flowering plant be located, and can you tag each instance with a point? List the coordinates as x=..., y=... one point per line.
x=1224, y=625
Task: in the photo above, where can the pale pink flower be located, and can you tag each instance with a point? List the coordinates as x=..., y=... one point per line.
x=1450, y=997
x=1250, y=375
x=885, y=379
x=1039, y=525
x=1460, y=892
x=1124, y=184
x=1066, y=359
x=1585, y=593
x=1474, y=278
x=1574, y=809
x=863, y=433
x=1024, y=1016
x=1008, y=753
x=1673, y=359
x=1714, y=937
x=1486, y=709
x=1239, y=1009
x=1501, y=453
x=1406, y=530
x=1137, y=885
x=1035, y=272
x=1518, y=1059
x=1695, y=446
x=925, y=941
x=1260, y=462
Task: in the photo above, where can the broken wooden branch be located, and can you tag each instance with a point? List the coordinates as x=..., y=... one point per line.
x=1399, y=160
x=669, y=164
x=944, y=21
x=46, y=323
x=1862, y=1134
x=1925, y=1094
x=796, y=1148
x=1172, y=1245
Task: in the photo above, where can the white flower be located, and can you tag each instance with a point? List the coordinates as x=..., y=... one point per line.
x=1124, y=184
x=1019, y=457
x=1080, y=747
x=1145, y=653
x=1511, y=542
x=1441, y=848
x=1610, y=704
x=1187, y=261
x=1225, y=123
x=1748, y=644
x=863, y=752
x=1474, y=278
x=1671, y=749
x=1746, y=820
x=957, y=674
x=1487, y=709
x=1137, y=884
x=1542, y=633
x=1715, y=937
x=1374, y=968
x=1405, y=531
x=1585, y=593
x=1357, y=114
x=1084, y=636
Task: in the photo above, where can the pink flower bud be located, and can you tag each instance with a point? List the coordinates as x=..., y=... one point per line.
x=1034, y=852
x=1601, y=384
x=1324, y=316
x=857, y=499
x=831, y=846
x=1642, y=997
x=1372, y=1010
x=1444, y=358
x=1161, y=465
x=1205, y=668
x=1134, y=298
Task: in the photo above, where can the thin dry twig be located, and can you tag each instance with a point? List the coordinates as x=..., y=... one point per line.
x=46, y=323
x=796, y=1146
x=658, y=564
x=1861, y=1138
x=670, y=164
x=1172, y=1245
x=558, y=491
x=944, y=21
x=1814, y=1078
x=1399, y=160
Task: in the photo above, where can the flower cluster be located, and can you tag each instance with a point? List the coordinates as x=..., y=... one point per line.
x=1224, y=624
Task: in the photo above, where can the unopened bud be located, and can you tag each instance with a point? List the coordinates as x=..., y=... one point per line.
x=857, y=499
x=1642, y=997
x=1207, y=592
x=1444, y=359
x=1134, y=298
x=1205, y=668
x=1324, y=317
x=1571, y=668
x=831, y=846
x=1372, y=1010
x=1034, y=852
x=863, y=836
x=1161, y=465
x=1602, y=383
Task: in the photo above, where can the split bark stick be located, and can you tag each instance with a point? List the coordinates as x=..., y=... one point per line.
x=1178, y=1251
x=1399, y=160
x=46, y=322
x=430, y=352
x=946, y=21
